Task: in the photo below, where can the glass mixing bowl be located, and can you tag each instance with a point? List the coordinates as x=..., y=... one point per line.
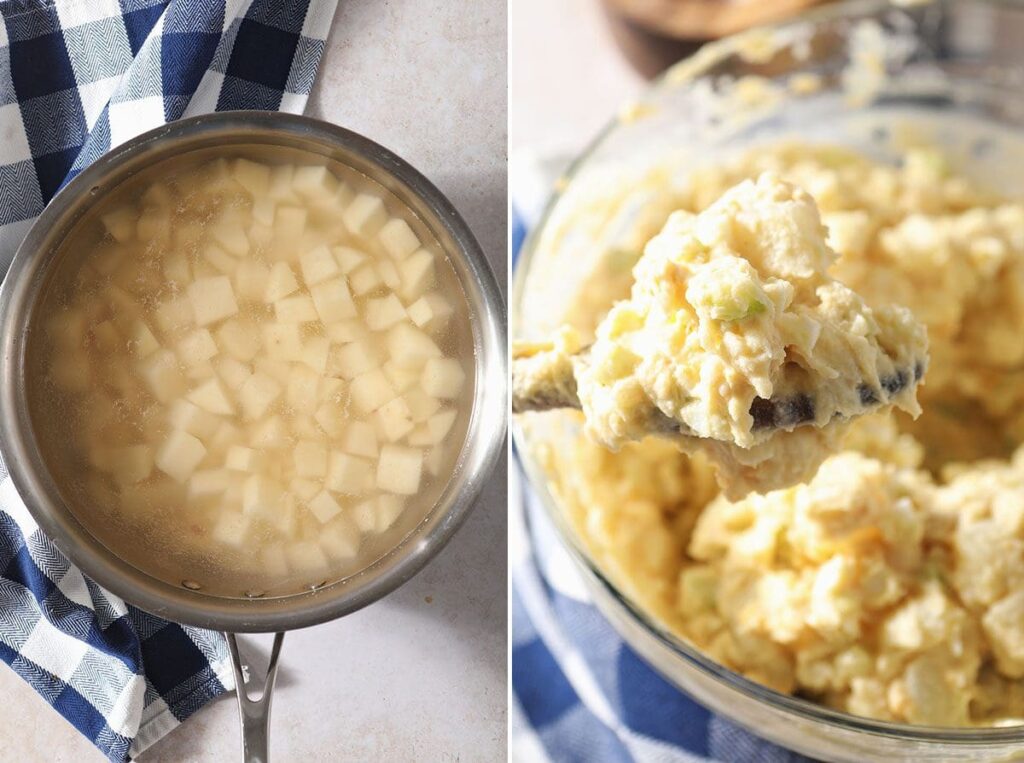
x=875, y=76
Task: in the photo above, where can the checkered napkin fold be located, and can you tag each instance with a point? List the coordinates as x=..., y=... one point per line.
x=78, y=77
x=579, y=693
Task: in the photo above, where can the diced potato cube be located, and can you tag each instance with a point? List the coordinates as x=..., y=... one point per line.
x=106, y=336
x=241, y=459
x=347, y=473
x=352, y=360
x=302, y=389
x=324, y=507
x=417, y=273
x=232, y=372
x=343, y=332
x=314, y=182
x=430, y=311
x=207, y=482
x=179, y=455
x=280, y=283
x=295, y=309
x=257, y=395
x=220, y=259
x=197, y=348
x=331, y=417
x=282, y=341
x=310, y=459
x=190, y=418
x=281, y=183
x=383, y=313
x=315, y=353
x=305, y=427
x=252, y=176
x=388, y=273
x=440, y=424
x=442, y=377
x=163, y=375
x=394, y=420
x=210, y=397
x=290, y=223
x=409, y=347
x=269, y=433
x=226, y=435
x=120, y=224
x=399, y=469
x=398, y=239
x=263, y=210
x=230, y=234
x=306, y=557
x=278, y=370
x=261, y=497
x=370, y=391
x=203, y=269
x=174, y=314
x=251, y=279
x=389, y=509
x=364, y=280
x=131, y=464
x=340, y=539
x=401, y=378
x=153, y=225
x=421, y=405
x=364, y=514
x=177, y=270
x=365, y=215
x=239, y=338
x=213, y=299
x=143, y=343
x=359, y=439
x=304, y=489
x=333, y=301
x=231, y=529
x=318, y=265
x=348, y=258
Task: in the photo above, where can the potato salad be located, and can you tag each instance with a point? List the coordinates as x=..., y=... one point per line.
x=256, y=364
x=890, y=583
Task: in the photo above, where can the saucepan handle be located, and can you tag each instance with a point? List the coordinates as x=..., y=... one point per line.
x=255, y=713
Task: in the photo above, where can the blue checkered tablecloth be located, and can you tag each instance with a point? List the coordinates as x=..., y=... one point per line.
x=78, y=77
x=579, y=693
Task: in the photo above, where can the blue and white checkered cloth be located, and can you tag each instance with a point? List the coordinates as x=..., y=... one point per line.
x=579, y=693
x=78, y=77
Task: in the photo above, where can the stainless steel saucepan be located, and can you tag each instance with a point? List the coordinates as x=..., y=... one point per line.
x=21, y=293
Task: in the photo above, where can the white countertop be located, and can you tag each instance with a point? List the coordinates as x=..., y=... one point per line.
x=406, y=678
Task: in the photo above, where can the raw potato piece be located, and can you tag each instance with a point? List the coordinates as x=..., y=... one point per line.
x=324, y=507
x=348, y=258
x=370, y=391
x=384, y=313
x=360, y=439
x=398, y=239
x=163, y=375
x=282, y=341
x=399, y=469
x=347, y=474
x=430, y=311
x=351, y=360
x=417, y=273
x=409, y=347
x=340, y=539
x=196, y=348
x=280, y=283
x=179, y=455
x=241, y=459
x=239, y=339
x=318, y=265
x=295, y=309
x=131, y=464
x=365, y=215
x=333, y=301
x=442, y=377
x=251, y=280
x=210, y=397
x=365, y=280
x=310, y=459
x=212, y=299
x=256, y=395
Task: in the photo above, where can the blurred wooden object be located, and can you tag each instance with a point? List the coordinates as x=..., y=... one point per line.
x=654, y=34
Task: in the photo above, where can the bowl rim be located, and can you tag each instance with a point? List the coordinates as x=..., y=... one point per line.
x=485, y=433
x=687, y=70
